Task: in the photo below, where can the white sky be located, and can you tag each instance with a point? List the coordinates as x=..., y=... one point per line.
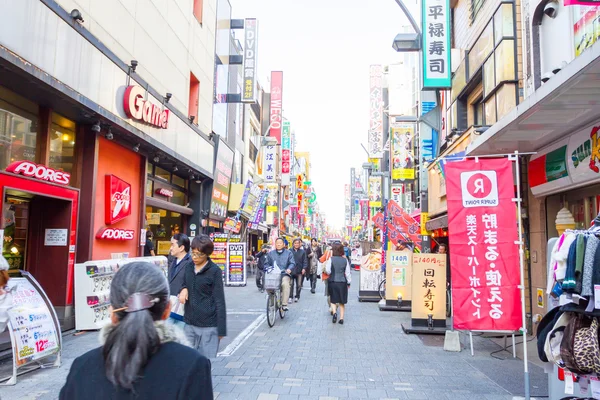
x=324, y=48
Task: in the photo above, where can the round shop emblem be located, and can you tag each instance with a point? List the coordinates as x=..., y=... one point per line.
x=479, y=189
x=479, y=186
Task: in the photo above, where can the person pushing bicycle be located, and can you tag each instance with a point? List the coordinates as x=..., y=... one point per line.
x=285, y=261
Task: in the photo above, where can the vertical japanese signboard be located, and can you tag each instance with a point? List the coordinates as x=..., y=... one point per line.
x=269, y=163
x=219, y=254
x=437, y=72
x=347, y=204
x=376, y=112
x=429, y=287
x=276, y=99
x=286, y=145
x=250, y=36
x=375, y=191
x=236, y=264
x=403, y=161
x=484, y=257
x=258, y=214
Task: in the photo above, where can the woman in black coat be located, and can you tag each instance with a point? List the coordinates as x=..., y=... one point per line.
x=142, y=357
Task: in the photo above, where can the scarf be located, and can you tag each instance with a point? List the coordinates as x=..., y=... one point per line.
x=166, y=333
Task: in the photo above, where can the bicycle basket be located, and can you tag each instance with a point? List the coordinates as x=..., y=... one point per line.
x=273, y=280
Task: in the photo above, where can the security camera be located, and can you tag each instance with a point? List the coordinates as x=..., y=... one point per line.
x=551, y=9
x=133, y=65
x=96, y=127
x=546, y=77
x=76, y=15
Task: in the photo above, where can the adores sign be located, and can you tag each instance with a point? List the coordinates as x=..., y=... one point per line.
x=32, y=170
x=164, y=192
x=118, y=199
x=115, y=234
x=137, y=107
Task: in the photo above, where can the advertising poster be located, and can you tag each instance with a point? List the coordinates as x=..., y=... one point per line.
x=356, y=255
x=251, y=203
x=375, y=192
x=585, y=26
x=153, y=218
x=429, y=286
x=370, y=271
x=484, y=257
x=398, y=275
x=31, y=320
x=403, y=161
x=272, y=198
x=259, y=210
x=236, y=264
x=222, y=180
x=219, y=255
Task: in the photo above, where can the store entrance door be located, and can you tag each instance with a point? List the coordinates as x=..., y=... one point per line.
x=39, y=224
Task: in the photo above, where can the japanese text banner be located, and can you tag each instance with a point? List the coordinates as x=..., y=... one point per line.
x=484, y=258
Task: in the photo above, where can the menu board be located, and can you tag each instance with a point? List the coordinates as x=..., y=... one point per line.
x=219, y=255
x=236, y=264
x=32, y=321
x=429, y=286
x=398, y=274
x=370, y=271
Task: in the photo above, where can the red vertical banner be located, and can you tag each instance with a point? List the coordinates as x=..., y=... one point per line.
x=275, y=120
x=484, y=258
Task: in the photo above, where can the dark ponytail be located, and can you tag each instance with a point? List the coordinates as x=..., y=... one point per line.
x=131, y=343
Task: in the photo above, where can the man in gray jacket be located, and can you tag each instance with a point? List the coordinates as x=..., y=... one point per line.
x=285, y=261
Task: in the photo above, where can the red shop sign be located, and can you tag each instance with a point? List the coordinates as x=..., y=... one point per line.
x=32, y=170
x=136, y=107
x=117, y=201
x=483, y=255
x=164, y=192
x=115, y=234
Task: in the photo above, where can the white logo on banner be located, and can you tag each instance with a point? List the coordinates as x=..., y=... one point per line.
x=479, y=189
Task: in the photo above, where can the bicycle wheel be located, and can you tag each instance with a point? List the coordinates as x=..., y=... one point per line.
x=271, y=309
x=281, y=310
x=382, y=289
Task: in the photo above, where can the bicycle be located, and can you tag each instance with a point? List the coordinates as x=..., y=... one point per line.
x=381, y=289
x=273, y=304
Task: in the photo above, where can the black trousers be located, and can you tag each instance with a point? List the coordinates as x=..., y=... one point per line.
x=313, y=282
x=260, y=278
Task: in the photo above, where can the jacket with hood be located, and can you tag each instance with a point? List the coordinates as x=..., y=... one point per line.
x=205, y=307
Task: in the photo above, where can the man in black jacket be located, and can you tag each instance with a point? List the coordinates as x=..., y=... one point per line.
x=301, y=269
x=204, y=299
x=180, y=248
x=260, y=266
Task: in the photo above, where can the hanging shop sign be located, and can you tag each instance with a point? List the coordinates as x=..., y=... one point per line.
x=567, y=164
x=115, y=234
x=165, y=192
x=251, y=203
x=375, y=192
x=269, y=163
x=272, y=198
x=236, y=264
x=258, y=213
x=276, y=105
x=435, y=42
x=403, y=160
x=250, y=50
x=397, y=193
x=137, y=107
x=222, y=181
x=38, y=171
x=117, y=202
x=484, y=258
x=376, y=112
x=286, y=145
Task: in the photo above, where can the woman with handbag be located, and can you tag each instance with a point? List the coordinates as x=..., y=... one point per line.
x=324, y=275
x=338, y=269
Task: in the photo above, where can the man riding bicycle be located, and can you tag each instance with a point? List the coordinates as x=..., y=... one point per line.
x=285, y=261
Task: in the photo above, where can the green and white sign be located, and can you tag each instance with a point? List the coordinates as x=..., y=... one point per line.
x=435, y=41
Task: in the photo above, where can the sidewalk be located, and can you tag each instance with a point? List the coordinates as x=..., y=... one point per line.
x=305, y=356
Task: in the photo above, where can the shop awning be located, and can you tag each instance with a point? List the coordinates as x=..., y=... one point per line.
x=566, y=103
x=437, y=223
x=154, y=202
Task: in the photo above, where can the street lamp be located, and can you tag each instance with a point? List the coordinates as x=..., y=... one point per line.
x=407, y=42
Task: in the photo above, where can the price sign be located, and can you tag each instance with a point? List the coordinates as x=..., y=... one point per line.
x=236, y=264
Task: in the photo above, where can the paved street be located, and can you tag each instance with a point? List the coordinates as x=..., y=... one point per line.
x=305, y=356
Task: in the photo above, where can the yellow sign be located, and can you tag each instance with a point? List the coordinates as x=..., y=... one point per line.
x=403, y=173
x=153, y=218
x=540, y=298
x=375, y=191
x=271, y=208
x=429, y=286
x=397, y=274
x=424, y=219
x=163, y=247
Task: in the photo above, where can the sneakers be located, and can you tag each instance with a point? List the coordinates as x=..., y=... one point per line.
x=296, y=299
x=290, y=300
x=284, y=308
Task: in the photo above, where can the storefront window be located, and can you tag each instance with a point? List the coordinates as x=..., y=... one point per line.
x=161, y=173
x=178, y=198
x=62, y=143
x=584, y=205
x=482, y=48
x=179, y=181
x=503, y=23
x=149, y=188
x=175, y=186
x=18, y=128
x=163, y=224
x=505, y=61
x=489, y=81
x=507, y=99
x=459, y=80
x=490, y=111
